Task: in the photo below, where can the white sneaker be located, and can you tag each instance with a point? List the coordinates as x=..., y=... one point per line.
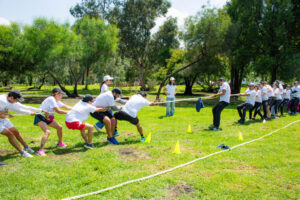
x=264, y=121
x=25, y=154
x=29, y=150
x=276, y=117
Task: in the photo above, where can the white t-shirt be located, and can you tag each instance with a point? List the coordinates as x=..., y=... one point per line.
x=258, y=96
x=270, y=93
x=171, y=90
x=226, y=96
x=6, y=106
x=297, y=89
x=287, y=94
x=277, y=94
x=105, y=100
x=135, y=104
x=50, y=103
x=104, y=88
x=264, y=90
x=80, y=112
x=251, y=99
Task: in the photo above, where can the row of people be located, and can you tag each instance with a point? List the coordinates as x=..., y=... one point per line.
x=258, y=96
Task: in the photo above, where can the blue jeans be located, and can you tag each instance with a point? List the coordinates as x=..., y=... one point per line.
x=100, y=124
x=170, y=106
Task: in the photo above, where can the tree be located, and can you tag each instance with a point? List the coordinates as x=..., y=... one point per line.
x=135, y=21
x=242, y=38
x=99, y=42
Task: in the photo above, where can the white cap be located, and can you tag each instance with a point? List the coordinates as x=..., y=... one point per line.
x=107, y=77
x=172, y=79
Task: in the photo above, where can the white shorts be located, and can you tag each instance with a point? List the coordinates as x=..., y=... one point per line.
x=5, y=123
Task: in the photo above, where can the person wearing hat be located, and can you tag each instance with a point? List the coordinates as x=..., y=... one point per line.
x=104, y=88
x=286, y=98
x=224, y=94
x=257, y=105
x=105, y=83
x=296, y=97
x=78, y=114
x=265, y=98
x=131, y=108
x=170, y=90
x=11, y=102
x=52, y=105
x=107, y=100
x=278, y=98
x=249, y=103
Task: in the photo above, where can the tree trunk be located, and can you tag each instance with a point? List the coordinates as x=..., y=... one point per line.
x=188, y=89
x=43, y=81
x=30, y=80
x=87, y=78
x=83, y=75
x=169, y=75
x=75, y=92
x=236, y=80
x=60, y=85
x=142, y=77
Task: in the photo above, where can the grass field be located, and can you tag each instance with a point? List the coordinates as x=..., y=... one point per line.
x=266, y=169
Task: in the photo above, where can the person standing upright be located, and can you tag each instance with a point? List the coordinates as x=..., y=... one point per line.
x=296, y=97
x=224, y=94
x=170, y=91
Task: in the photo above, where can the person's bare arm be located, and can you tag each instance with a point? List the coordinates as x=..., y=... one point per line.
x=59, y=111
x=66, y=107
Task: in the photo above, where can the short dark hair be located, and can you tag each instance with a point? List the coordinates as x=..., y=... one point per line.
x=87, y=98
x=16, y=94
x=143, y=94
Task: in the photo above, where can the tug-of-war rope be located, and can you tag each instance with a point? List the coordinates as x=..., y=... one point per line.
x=176, y=167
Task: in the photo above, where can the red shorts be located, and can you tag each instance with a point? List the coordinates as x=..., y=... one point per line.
x=75, y=125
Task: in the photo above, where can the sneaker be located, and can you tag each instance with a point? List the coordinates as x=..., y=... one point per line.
x=143, y=139
x=276, y=117
x=29, y=150
x=89, y=146
x=40, y=153
x=264, y=121
x=116, y=134
x=61, y=144
x=241, y=122
x=250, y=119
x=3, y=163
x=25, y=154
x=214, y=129
x=112, y=140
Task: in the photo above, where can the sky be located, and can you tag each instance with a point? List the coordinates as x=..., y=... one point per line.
x=24, y=11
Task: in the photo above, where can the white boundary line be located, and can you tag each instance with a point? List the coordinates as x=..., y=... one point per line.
x=173, y=168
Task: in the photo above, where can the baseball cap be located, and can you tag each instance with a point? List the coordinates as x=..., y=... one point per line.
x=296, y=82
x=172, y=79
x=55, y=90
x=107, y=77
x=143, y=94
x=87, y=98
x=118, y=91
x=221, y=79
x=263, y=82
x=251, y=84
x=16, y=94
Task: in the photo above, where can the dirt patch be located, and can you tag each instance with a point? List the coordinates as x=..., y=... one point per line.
x=176, y=190
x=4, y=152
x=67, y=157
x=132, y=154
x=245, y=168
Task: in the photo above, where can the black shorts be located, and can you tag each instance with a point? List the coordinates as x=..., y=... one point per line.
x=41, y=118
x=121, y=115
x=271, y=101
x=100, y=115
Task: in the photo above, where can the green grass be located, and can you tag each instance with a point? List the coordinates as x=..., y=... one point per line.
x=266, y=169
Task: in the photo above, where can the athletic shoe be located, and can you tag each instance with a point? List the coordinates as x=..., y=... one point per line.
x=89, y=146
x=143, y=139
x=264, y=121
x=250, y=119
x=29, y=150
x=214, y=129
x=25, y=154
x=276, y=117
x=40, y=153
x=61, y=144
x=3, y=163
x=97, y=128
x=241, y=122
x=116, y=134
x=112, y=140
